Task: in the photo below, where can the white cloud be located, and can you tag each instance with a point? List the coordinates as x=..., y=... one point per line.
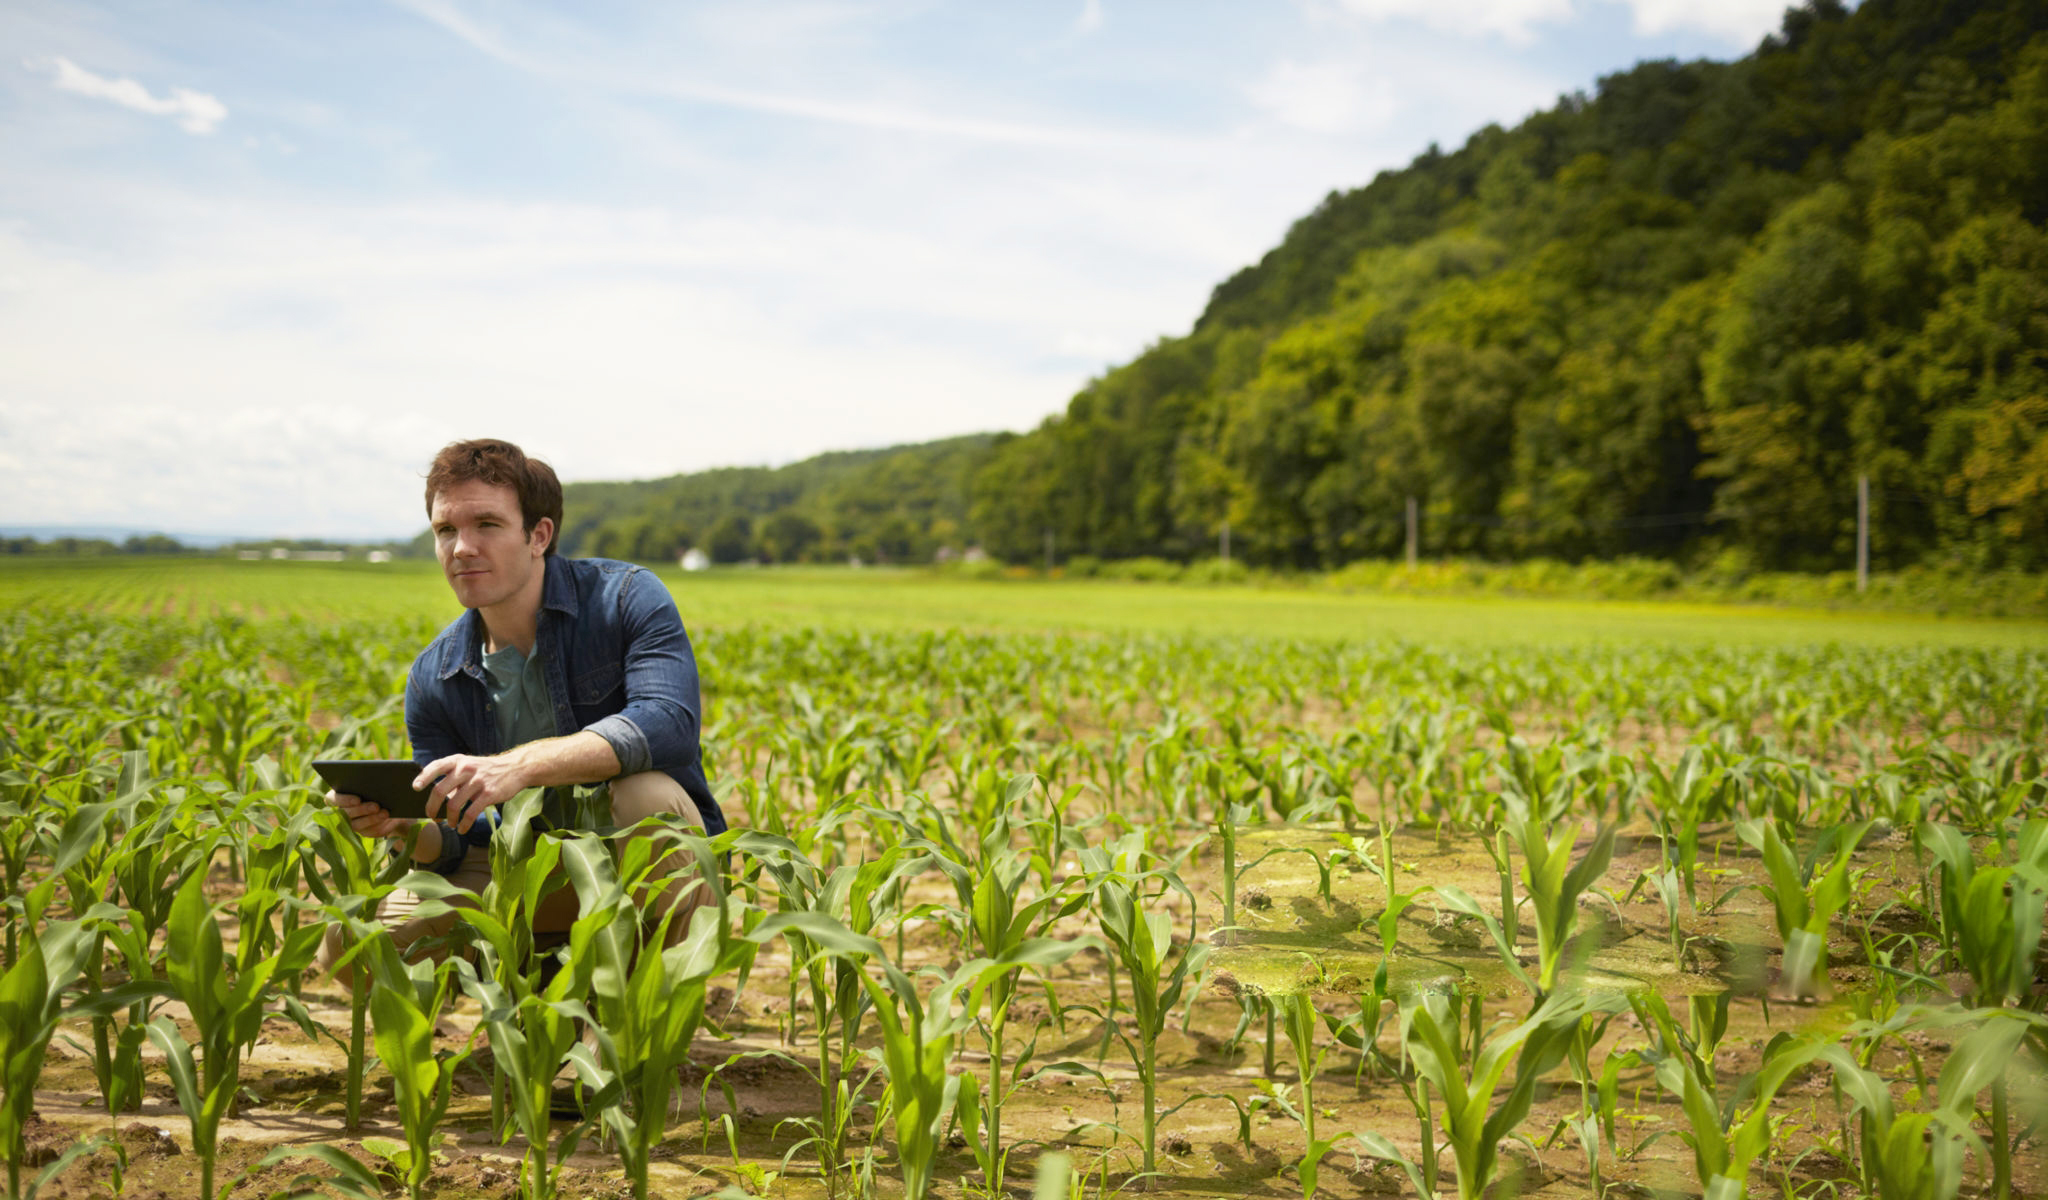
x=192, y=390
x=195, y=112
x=1090, y=19
x=1741, y=23
x=1329, y=97
x=1512, y=19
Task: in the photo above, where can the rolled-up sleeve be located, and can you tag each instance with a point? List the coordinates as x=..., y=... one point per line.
x=657, y=729
x=626, y=741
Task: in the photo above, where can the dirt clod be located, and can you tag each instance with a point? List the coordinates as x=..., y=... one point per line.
x=146, y=1139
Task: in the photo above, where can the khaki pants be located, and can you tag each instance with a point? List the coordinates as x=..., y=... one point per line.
x=634, y=798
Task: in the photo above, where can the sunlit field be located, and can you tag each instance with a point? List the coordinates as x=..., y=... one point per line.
x=1218, y=891
x=894, y=599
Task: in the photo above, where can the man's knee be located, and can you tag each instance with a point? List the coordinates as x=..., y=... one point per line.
x=652, y=793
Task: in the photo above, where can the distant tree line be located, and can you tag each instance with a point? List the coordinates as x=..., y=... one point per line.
x=155, y=543
x=1677, y=318
x=898, y=505
x=159, y=543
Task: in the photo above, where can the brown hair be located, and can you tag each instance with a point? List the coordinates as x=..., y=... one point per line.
x=500, y=464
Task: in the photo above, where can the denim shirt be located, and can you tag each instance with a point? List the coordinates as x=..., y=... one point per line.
x=618, y=665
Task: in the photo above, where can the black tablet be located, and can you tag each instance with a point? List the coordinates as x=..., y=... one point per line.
x=383, y=782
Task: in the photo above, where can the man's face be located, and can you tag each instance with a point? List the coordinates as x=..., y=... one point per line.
x=484, y=551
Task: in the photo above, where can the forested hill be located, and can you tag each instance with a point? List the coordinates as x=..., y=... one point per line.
x=1677, y=317
x=896, y=505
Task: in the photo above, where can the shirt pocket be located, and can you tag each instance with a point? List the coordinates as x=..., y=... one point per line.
x=598, y=685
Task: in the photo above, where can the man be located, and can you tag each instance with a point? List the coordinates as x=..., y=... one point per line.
x=560, y=673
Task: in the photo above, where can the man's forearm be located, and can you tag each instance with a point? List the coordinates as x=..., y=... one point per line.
x=563, y=761
x=463, y=785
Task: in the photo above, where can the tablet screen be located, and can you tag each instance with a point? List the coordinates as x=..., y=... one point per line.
x=384, y=782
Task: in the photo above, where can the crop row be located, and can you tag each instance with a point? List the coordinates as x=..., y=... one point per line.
x=1052, y=808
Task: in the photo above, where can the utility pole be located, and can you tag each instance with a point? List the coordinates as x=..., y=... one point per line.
x=1226, y=541
x=1048, y=554
x=1862, y=531
x=1411, y=532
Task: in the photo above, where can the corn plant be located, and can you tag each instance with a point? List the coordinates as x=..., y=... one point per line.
x=1301, y=1021
x=1005, y=932
x=31, y=1002
x=96, y=862
x=531, y=1020
x=651, y=1004
x=1920, y=1156
x=525, y=868
x=1692, y=793
x=992, y=982
x=1726, y=1136
x=532, y=1031
x=828, y=920
x=1804, y=898
x=1991, y=917
x=1552, y=882
x=407, y=999
x=1474, y=1121
x=917, y=1044
x=226, y=1013
x=1142, y=942
x=1229, y=817
x=359, y=874
x=802, y=885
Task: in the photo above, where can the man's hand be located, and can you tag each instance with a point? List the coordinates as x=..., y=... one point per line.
x=369, y=819
x=464, y=785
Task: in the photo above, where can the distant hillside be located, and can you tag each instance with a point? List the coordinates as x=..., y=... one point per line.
x=1678, y=317
x=895, y=505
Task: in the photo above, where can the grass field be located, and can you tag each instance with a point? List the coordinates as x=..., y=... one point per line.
x=911, y=600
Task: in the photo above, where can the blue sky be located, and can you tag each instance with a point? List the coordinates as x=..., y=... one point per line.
x=257, y=261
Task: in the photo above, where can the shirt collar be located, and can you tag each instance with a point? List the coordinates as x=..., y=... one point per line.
x=557, y=589
x=466, y=649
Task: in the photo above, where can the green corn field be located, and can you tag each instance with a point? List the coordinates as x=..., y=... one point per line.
x=1065, y=890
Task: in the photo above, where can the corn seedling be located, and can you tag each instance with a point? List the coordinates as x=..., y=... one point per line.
x=31, y=1001
x=226, y=1013
x=829, y=921
x=525, y=868
x=1991, y=917
x=650, y=1004
x=1474, y=1122
x=1804, y=898
x=1920, y=1156
x=1142, y=942
x=406, y=1000
x=1229, y=817
x=1553, y=882
x=1726, y=1136
x=531, y=1032
x=917, y=1044
x=1005, y=933
x=1301, y=1021
x=359, y=874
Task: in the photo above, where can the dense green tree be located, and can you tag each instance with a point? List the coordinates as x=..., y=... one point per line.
x=732, y=539
x=789, y=536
